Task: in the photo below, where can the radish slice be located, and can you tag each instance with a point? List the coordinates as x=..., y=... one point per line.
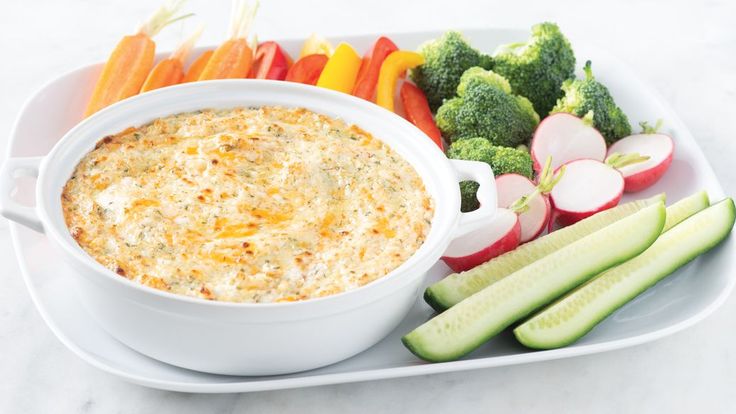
x=588, y=187
x=512, y=187
x=566, y=137
x=658, y=147
x=499, y=236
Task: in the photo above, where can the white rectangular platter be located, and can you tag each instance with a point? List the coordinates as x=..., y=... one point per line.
x=674, y=304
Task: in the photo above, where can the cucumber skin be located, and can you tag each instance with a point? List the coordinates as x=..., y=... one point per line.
x=415, y=342
x=522, y=332
x=440, y=294
x=685, y=208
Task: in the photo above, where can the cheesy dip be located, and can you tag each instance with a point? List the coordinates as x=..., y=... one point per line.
x=264, y=204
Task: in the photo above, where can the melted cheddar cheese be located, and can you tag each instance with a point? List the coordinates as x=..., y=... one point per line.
x=262, y=204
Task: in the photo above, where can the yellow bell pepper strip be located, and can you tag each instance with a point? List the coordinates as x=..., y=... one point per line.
x=316, y=45
x=395, y=64
x=341, y=69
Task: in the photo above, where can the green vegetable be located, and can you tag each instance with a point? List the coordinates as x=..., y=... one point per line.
x=445, y=60
x=686, y=207
x=503, y=160
x=576, y=314
x=511, y=160
x=458, y=286
x=537, y=68
x=467, y=325
x=468, y=196
x=485, y=107
x=585, y=95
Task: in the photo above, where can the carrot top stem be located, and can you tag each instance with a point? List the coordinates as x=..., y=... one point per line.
x=162, y=17
x=182, y=52
x=241, y=19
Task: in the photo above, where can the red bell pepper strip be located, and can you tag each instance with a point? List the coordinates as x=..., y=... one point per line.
x=307, y=69
x=270, y=62
x=418, y=113
x=365, y=85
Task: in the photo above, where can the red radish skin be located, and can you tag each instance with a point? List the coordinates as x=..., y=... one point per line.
x=660, y=149
x=565, y=137
x=510, y=188
x=588, y=187
x=565, y=218
x=501, y=235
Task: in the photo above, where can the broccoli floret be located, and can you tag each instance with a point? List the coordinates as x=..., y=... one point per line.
x=511, y=160
x=503, y=160
x=472, y=149
x=585, y=95
x=468, y=190
x=445, y=60
x=536, y=69
x=485, y=107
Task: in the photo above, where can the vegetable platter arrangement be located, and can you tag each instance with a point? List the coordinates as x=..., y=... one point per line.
x=562, y=253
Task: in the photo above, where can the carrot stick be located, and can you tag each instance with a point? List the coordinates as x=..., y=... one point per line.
x=234, y=57
x=127, y=67
x=196, y=68
x=170, y=71
x=166, y=73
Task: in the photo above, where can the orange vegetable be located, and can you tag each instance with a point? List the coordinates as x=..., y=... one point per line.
x=394, y=66
x=166, y=73
x=170, y=71
x=417, y=111
x=127, y=67
x=234, y=58
x=196, y=68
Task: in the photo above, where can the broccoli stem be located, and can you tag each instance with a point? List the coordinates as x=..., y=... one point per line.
x=588, y=118
x=588, y=70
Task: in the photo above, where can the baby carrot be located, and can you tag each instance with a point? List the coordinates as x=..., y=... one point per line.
x=127, y=67
x=196, y=68
x=170, y=71
x=234, y=57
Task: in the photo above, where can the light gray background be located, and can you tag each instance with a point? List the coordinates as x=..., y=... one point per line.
x=686, y=49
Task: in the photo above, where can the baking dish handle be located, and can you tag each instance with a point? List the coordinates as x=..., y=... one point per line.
x=9, y=208
x=482, y=174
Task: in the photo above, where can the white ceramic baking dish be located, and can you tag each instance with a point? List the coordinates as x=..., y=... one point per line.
x=248, y=339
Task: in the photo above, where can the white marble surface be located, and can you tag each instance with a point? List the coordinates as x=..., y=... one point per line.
x=684, y=48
